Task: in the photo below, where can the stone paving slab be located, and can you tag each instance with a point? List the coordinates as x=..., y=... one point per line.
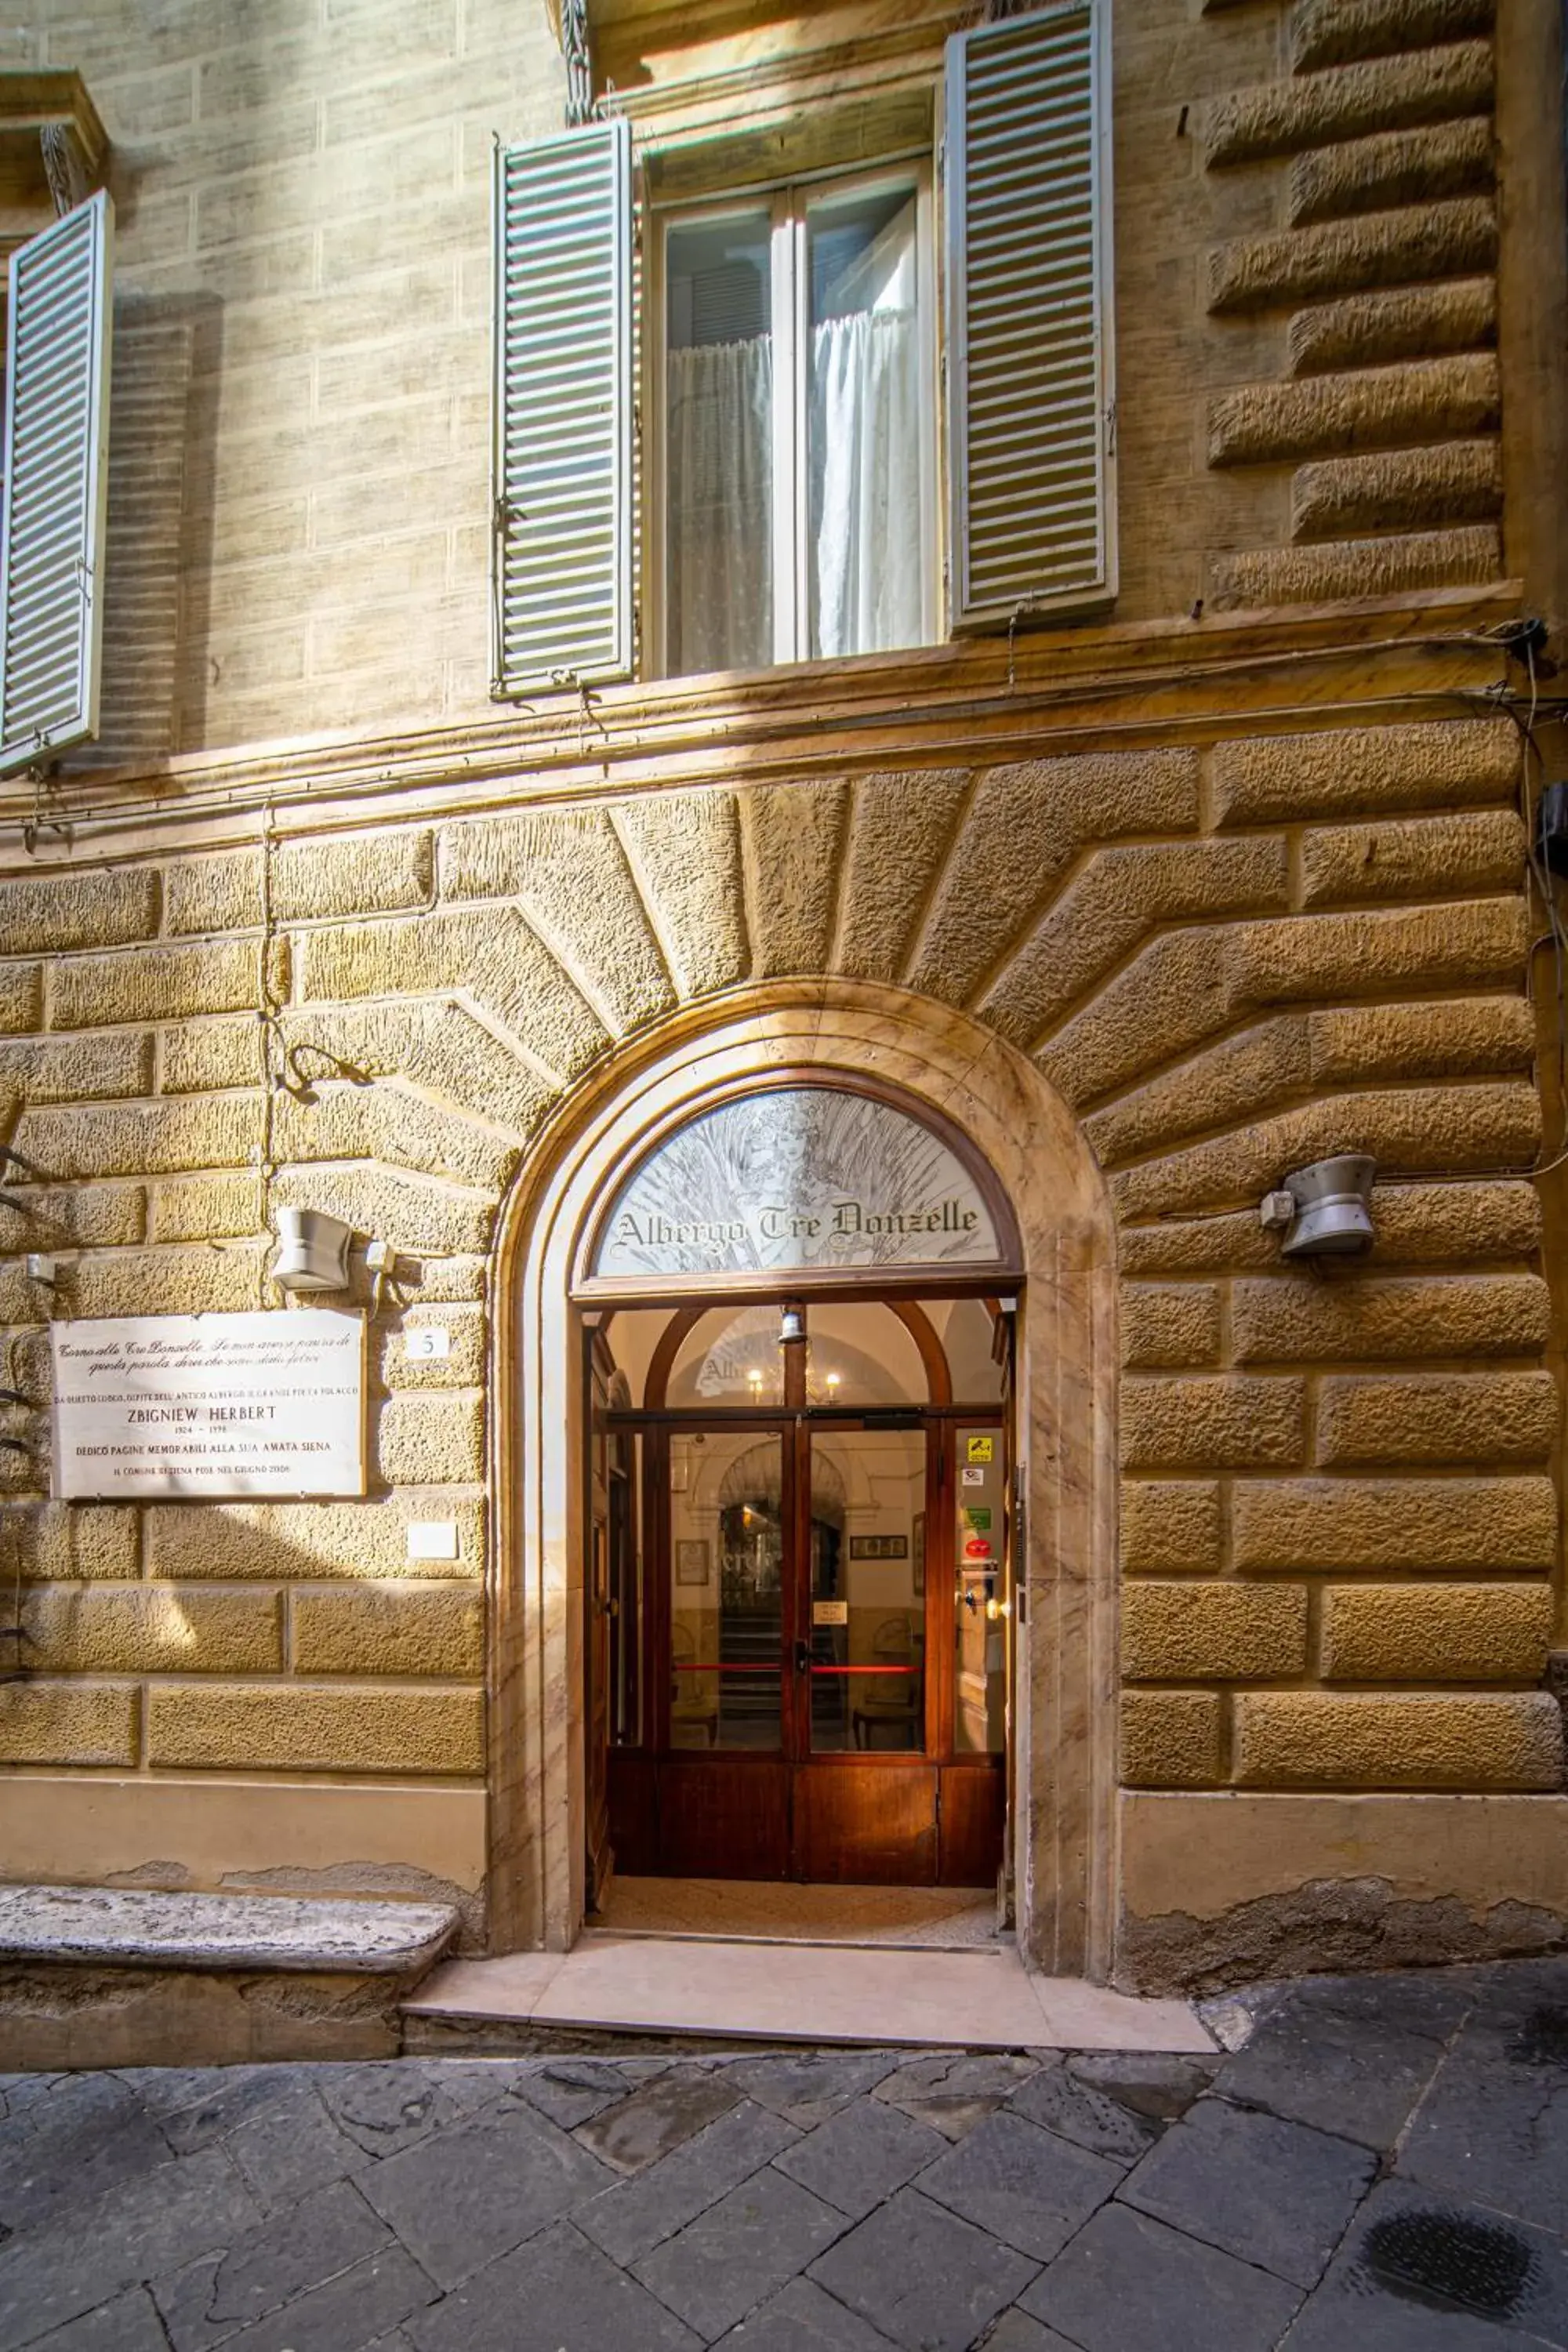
x=1382, y=2168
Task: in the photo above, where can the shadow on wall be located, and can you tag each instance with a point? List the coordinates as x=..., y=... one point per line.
x=161, y=437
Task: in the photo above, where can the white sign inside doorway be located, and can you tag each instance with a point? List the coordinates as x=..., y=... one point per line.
x=796, y=1178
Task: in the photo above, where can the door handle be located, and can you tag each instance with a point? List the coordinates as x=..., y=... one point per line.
x=802, y=1657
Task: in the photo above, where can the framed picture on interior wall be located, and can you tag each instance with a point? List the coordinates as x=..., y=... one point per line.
x=878, y=1546
x=691, y=1559
x=919, y=1554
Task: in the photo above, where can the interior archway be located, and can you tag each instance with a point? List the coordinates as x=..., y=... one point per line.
x=1022, y=1133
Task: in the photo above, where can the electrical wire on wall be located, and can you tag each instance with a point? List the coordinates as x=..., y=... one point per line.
x=270, y=1010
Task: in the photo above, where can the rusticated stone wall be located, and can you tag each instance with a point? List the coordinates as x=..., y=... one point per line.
x=1378, y=153
x=1338, y=1528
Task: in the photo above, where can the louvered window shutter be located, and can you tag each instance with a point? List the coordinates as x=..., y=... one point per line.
x=562, y=566
x=1031, y=524
x=57, y=430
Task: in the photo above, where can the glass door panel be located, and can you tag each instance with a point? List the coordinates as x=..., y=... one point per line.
x=980, y=1595
x=867, y=1522
x=727, y=1552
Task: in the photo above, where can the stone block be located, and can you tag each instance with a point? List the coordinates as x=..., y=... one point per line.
x=417, y=1214
x=206, y=1208
x=78, y=1069
x=68, y=1723
x=201, y=1056
x=1475, y=1125
x=491, y=952
x=1429, y=1224
x=1199, y=1633
x=344, y=874
x=46, y=913
x=463, y=1365
x=570, y=871
x=161, y=983
x=1416, y=1225
x=312, y=1542
x=153, y=1629
x=1340, y=32
x=438, y=1048
x=431, y=1439
x=289, y=1726
x=1376, y=953
x=1365, y=409
x=1472, y=1417
x=900, y=831
x=1433, y=1741
x=210, y=1281
x=1431, y=856
x=1170, y=1528
x=1355, y=770
x=1118, y=895
x=684, y=849
x=21, y=997
x=1393, y=167
x=1169, y=1323
x=1292, y=1320
x=51, y=1542
x=1169, y=1739
x=1341, y=568
x=1436, y=1633
x=1464, y=1036
x=1174, y=992
x=1230, y=1423
x=1397, y=323
x=385, y=1122
x=1231, y=1081
x=1501, y=1523
x=1387, y=93
x=96, y=1216
x=1024, y=826
x=792, y=842
x=1451, y=239
x=1397, y=490
x=400, y=1630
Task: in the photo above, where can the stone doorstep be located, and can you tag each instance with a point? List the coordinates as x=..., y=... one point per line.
x=136, y=1928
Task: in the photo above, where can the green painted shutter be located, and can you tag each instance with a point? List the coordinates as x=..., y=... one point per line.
x=56, y=432
x=1032, y=521
x=562, y=578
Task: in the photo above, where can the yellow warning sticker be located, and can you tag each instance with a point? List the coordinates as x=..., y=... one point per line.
x=981, y=1449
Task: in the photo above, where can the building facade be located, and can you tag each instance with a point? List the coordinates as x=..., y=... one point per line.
x=1012, y=685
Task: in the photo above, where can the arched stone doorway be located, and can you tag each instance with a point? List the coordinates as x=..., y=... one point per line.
x=1063, y=1718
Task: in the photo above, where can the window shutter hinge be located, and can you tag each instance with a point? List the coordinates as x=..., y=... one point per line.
x=1110, y=430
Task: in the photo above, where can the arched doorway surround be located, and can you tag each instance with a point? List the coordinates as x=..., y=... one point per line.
x=1064, y=1730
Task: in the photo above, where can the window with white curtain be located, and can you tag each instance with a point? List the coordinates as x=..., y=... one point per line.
x=795, y=503
x=781, y=450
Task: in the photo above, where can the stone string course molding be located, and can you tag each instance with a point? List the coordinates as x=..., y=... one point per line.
x=1181, y=941
x=1381, y=136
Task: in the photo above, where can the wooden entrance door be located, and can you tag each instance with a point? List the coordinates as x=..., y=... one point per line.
x=813, y=1637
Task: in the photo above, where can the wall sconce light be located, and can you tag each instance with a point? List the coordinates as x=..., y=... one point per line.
x=312, y=1250
x=792, y=1327
x=1324, y=1210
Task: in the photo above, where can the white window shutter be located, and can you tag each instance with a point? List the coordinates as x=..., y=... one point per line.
x=562, y=581
x=1030, y=398
x=57, y=434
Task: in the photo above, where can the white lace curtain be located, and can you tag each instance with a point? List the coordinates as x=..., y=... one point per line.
x=866, y=556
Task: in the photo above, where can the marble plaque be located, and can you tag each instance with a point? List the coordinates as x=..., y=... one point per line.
x=203, y=1405
x=797, y=1177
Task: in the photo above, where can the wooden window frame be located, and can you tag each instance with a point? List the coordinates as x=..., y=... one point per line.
x=788, y=202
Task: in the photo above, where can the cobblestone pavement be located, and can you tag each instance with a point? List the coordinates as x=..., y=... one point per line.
x=1384, y=2167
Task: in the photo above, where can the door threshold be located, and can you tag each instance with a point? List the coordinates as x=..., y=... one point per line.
x=721, y=1994
x=785, y=1911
